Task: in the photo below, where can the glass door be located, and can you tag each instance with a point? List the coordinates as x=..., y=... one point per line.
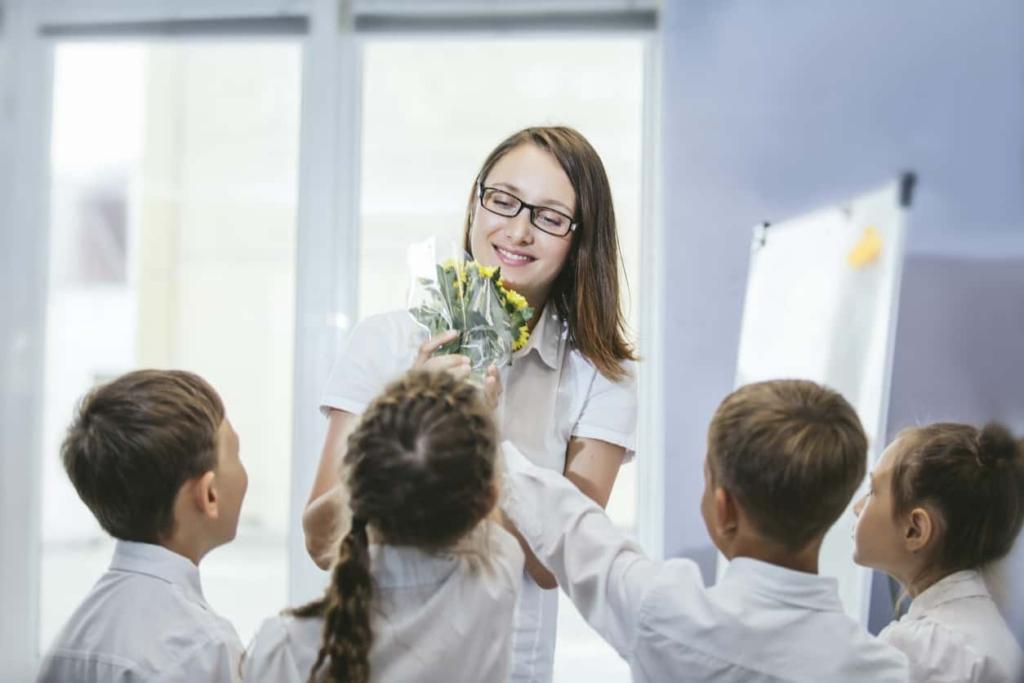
x=173, y=191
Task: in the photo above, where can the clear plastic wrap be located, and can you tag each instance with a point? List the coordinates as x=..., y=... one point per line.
x=461, y=294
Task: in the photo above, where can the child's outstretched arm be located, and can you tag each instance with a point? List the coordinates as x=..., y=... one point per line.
x=601, y=570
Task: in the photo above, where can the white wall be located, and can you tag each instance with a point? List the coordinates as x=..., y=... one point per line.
x=22, y=281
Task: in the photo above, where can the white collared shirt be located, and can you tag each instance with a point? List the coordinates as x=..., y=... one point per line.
x=444, y=617
x=145, y=620
x=760, y=623
x=954, y=632
x=551, y=393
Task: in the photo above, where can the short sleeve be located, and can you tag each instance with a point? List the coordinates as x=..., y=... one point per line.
x=609, y=412
x=378, y=351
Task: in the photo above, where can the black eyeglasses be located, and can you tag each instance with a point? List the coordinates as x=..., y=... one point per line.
x=544, y=218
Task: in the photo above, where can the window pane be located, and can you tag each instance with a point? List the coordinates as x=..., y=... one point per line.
x=173, y=203
x=432, y=110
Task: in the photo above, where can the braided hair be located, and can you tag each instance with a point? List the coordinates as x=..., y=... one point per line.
x=420, y=468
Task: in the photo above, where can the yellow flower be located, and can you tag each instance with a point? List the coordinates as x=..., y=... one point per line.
x=516, y=299
x=486, y=271
x=524, y=336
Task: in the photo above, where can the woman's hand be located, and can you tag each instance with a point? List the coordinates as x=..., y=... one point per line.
x=456, y=364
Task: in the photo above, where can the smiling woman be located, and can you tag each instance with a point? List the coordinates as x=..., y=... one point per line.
x=530, y=258
x=569, y=400
x=545, y=256
x=432, y=108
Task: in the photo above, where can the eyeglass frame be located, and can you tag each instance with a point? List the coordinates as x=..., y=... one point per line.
x=481, y=188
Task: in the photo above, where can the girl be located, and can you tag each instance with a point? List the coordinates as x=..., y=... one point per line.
x=541, y=209
x=409, y=600
x=944, y=500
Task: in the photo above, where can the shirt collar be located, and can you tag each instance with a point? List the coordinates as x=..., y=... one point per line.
x=789, y=586
x=547, y=338
x=160, y=563
x=396, y=566
x=956, y=586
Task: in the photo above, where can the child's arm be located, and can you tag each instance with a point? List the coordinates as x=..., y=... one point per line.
x=601, y=570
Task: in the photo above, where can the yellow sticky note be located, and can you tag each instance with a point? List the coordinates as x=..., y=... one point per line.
x=867, y=249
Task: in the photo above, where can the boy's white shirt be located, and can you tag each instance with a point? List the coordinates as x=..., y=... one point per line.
x=761, y=622
x=145, y=620
x=444, y=617
x=953, y=632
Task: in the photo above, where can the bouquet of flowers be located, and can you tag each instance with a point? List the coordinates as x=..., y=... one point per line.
x=472, y=299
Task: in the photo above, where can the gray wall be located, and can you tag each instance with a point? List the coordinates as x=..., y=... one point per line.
x=774, y=108
x=960, y=357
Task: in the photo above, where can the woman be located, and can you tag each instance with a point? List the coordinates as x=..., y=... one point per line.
x=541, y=209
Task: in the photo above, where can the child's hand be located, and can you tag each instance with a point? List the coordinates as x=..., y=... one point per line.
x=492, y=387
x=456, y=364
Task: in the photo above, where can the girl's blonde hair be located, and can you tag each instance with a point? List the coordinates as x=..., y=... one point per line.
x=420, y=468
x=586, y=292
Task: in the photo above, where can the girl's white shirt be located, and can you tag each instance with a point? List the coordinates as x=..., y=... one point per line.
x=551, y=393
x=953, y=632
x=444, y=617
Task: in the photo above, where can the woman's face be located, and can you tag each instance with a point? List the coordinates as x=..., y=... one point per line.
x=530, y=259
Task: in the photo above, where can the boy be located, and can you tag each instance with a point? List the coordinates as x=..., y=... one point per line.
x=156, y=461
x=783, y=461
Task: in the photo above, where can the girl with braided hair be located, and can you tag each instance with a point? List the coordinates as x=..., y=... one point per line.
x=424, y=584
x=946, y=500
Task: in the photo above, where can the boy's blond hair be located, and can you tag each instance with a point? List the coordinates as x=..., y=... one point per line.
x=792, y=453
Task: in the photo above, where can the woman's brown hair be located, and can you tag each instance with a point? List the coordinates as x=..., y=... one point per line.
x=973, y=478
x=420, y=469
x=586, y=292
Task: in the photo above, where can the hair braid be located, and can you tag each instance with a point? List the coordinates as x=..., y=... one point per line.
x=419, y=468
x=347, y=634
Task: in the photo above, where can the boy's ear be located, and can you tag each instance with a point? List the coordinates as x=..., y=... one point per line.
x=205, y=494
x=726, y=513
x=919, y=530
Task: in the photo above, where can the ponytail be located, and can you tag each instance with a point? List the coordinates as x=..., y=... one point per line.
x=974, y=478
x=996, y=446
x=347, y=635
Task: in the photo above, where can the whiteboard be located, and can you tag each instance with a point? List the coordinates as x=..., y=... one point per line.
x=821, y=304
